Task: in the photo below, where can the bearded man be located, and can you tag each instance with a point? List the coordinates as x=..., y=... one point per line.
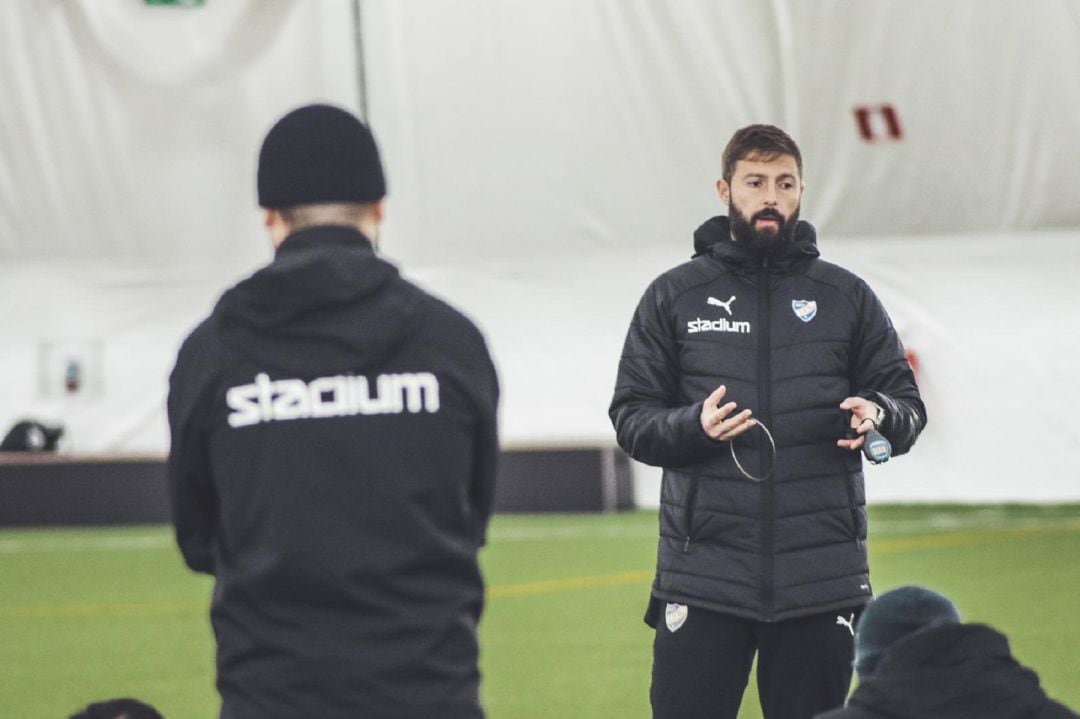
x=752, y=374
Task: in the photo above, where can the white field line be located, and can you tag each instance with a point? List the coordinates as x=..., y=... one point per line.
x=990, y=519
x=50, y=545
x=944, y=522
x=954, y=522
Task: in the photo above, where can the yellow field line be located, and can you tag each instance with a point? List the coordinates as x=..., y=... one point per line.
x=534, y=588
x=955, y=539
x=929, y=541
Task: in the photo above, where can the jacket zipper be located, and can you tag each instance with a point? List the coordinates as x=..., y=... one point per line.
x=764, y=401
x=691, y=495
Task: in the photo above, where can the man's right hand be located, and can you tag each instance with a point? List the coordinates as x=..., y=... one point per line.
x=721, y=422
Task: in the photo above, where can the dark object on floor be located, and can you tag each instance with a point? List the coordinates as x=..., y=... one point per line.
x=32, y=436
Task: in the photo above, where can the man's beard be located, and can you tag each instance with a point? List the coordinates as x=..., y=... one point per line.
x=763, y=242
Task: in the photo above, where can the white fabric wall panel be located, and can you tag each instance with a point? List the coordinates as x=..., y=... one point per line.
x=990, y=318
x=548, y=161
x=564, y=126
x=120, y=325
x=600, y=124
x=130, y=131
x=128, y=137
x=991, y=322
x=545, y=162
x=986, y=97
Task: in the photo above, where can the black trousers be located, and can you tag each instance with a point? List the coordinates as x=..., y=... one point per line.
x=701, y=668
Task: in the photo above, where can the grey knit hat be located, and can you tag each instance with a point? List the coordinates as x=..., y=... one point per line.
x=893, y=616
x=316, y=154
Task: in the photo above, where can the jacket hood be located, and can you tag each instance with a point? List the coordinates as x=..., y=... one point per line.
x=954, y=671
x=714, y=238
x=289, y=315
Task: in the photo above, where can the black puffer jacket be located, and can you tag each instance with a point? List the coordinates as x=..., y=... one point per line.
x=958, y=671
x=333, y=466
x=790, y=337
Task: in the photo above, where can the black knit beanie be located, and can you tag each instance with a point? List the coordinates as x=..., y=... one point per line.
x=893, y=616
x=316, y=154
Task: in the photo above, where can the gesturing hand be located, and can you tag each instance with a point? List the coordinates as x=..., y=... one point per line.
x=863, y=412
x=721, y=422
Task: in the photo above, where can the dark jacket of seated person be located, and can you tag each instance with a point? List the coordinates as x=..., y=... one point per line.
x=915, y=660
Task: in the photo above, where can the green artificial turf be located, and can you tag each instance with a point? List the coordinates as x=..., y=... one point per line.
x=91, y=614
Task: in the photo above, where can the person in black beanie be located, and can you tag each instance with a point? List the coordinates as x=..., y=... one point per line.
x=333, y=456
x=916, y=660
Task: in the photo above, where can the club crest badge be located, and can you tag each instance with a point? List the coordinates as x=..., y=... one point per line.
x=805, y=310
x=676, y=616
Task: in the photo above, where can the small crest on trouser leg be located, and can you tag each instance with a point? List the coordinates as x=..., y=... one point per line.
x=675, y=615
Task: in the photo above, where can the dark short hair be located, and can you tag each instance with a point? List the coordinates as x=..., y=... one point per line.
x=118, y=709
x=764, y=142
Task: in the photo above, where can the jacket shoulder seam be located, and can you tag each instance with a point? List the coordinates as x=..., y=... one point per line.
x=671, y=276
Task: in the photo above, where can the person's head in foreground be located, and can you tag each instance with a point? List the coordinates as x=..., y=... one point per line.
x=895, y=615
x=917, y=660
x=118, y=709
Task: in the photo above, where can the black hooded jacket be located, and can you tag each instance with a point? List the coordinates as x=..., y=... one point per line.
x=957, y=671
x=790, y=336
x=332, y=465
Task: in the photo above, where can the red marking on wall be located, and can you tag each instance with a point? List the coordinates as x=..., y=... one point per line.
x=878, y=123
x=913, y=360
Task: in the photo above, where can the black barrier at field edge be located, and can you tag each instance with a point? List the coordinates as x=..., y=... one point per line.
x=57, y=490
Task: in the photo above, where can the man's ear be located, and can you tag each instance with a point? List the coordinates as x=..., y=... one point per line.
x=724, y=190
x=275, y=227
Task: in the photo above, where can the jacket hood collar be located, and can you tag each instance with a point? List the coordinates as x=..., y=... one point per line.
x=314, y=267
x=714, y=238
x=326, y=295
x=323, y=236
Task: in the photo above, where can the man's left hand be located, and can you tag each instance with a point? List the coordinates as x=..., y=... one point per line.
x=863, y=414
